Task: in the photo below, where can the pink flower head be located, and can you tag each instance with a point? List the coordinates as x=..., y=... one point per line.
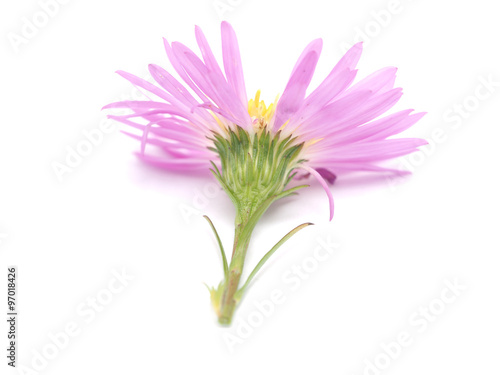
x=340, y=124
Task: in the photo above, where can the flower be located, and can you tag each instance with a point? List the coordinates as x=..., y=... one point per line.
x=255, y=150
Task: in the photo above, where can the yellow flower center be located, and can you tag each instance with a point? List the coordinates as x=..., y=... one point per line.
x=260, y=113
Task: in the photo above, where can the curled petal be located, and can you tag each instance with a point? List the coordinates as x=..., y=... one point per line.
x=323, y=183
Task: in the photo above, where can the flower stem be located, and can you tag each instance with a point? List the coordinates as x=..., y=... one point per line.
x=242, y=234
x=255, y=170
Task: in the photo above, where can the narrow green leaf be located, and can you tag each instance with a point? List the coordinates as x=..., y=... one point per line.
x=224, y=259
x=268, y=255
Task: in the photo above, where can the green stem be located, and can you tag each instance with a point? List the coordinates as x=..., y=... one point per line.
x=246, y=219
x=228, y=302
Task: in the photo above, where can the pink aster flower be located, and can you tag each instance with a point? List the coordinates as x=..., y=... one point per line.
x=206, y=121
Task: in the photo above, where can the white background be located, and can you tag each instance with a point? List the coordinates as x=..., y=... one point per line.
x=397, y=241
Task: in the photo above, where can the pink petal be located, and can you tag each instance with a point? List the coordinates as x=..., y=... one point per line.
x=136, y=81
x=187, y=131
x=323, y=121
x=171, y=85
x=315, y=46
x=381, y=80
x=194, y=68
x=174, y=164
x=376, y=130
x=387, y=130
x=364, y=167
x=335, y=83
x=232, y=61
x=176, y=149
x=350, y=58
x=181, y=72
x=332, y=86
x=323, y=184
x=206, y=52
x=138, y=104
x=212, y=84
x=370, y=151
x=346, y=113
x=295, y=90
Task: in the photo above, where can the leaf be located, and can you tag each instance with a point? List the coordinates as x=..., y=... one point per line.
x=224, y=259
x=264, y=259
